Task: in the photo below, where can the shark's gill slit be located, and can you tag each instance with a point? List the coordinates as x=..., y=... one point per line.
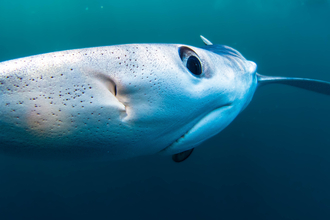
x=112, y=87
x=108, y=83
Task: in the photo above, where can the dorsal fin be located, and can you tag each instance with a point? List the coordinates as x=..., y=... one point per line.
x=206, y=41
x=314, y=85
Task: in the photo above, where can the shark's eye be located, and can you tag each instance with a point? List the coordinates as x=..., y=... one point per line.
x=194, y=65
x=191, y=61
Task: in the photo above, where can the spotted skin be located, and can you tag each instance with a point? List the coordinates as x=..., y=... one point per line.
x=118, y=102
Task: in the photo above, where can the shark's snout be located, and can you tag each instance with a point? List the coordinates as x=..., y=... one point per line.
x=251, y=68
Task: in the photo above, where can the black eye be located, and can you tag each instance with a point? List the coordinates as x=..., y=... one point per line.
x=194, y=65
x=191, y=61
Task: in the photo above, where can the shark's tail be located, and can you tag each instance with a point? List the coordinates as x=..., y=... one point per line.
x=314, y=85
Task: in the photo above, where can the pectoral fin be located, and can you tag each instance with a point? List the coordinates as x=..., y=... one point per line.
x=182, y=156
x=314, y=85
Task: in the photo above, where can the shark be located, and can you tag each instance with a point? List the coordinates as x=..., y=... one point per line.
x=123, y=101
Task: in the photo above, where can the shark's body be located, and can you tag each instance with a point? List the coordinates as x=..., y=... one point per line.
x=121, y=101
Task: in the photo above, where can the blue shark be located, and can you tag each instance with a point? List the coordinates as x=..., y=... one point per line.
x=123, y=101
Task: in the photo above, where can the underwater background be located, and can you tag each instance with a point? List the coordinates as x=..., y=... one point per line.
x=272, y=162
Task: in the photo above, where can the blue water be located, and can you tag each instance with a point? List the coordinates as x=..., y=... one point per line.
x=272, y=162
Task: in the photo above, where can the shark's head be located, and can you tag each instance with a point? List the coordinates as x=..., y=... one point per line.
x=212, y=85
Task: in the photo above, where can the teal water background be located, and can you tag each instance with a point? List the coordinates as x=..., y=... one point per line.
x=272, y=162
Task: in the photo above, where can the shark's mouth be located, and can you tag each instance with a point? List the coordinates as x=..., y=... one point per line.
x=208, y=126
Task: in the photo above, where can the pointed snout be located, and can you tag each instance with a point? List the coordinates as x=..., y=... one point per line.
x=251, y=67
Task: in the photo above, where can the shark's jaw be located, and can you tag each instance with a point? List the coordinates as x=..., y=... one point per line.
x=208, y=126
